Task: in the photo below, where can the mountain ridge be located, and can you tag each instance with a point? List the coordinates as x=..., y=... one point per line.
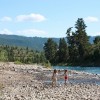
x=35, y=43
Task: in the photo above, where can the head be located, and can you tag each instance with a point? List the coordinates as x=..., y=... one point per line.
x=55, y=71
x=59, y=71
x=65, y=70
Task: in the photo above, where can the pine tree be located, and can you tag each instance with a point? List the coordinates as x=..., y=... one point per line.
x=78, y=41
x=97, y=40
x=50, y=49
x=82, y=40
x=63, y=51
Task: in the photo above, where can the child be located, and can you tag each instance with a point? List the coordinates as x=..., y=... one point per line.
x=54, y=78
x=65, y=76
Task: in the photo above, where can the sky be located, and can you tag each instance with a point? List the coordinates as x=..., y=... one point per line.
x=48, y=18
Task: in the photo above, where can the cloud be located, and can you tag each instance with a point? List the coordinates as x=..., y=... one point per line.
x=27, y=32
x=6, y=19
x=31, y=32
x=96, y=34
x=6, y=31
x=31, y=17
x=91, y=19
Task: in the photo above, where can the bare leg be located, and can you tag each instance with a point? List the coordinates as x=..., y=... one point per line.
x=65, y=81
x=52, y=83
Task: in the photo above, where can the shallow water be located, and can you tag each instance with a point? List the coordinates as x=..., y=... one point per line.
x=94, y=70
x=76, y=81
x=74, y=78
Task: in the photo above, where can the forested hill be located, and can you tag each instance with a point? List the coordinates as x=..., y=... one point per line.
x=35, y=43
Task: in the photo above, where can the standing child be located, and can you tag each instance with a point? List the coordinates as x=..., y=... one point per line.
x=54, y=78
x=65, y=76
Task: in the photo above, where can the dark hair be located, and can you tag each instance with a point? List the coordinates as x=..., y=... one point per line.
x=66, y=70
x=55, y=70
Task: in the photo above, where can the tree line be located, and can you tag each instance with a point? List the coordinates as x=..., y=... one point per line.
x=75, y=49
x=22, y=55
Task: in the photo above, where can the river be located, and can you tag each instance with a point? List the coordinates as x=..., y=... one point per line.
x=94, y=70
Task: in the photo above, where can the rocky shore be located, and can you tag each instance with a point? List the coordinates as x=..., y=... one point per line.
x=33, y=82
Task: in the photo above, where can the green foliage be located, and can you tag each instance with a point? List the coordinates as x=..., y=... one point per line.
x=17, y=62
x=96, y=54
x=21, y=55
x=63, y=51
x=35, y=43
x=50, y=49
x=47, y=64
x=78, y=42
x=97, y=40
x=77, y=50
x=3, y=55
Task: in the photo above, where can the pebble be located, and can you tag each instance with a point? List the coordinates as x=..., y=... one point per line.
x=26, y=87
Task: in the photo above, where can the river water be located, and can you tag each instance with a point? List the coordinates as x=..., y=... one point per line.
x=94, y=70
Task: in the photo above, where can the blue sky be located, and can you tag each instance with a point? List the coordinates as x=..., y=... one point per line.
x=48, y=18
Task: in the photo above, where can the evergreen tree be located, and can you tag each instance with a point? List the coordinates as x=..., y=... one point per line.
x=11, y=54
x=82, y=40
x=72, y=45
x=21, y=55
x=63, y=51
x=78, y=41
x=97, y=40
x=50, y=49
x=96, y=51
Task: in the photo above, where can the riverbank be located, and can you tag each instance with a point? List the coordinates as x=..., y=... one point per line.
x=33, y=82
